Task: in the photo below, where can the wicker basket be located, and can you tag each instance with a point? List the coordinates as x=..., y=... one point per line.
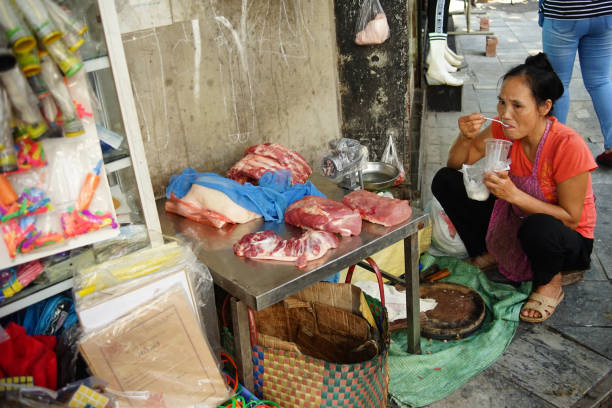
x=293, y=379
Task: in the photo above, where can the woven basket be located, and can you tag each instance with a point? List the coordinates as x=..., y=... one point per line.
x=293, y=379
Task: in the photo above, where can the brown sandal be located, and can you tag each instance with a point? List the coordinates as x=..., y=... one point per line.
x=482, y=264
x=570, y=277
x=543, y=304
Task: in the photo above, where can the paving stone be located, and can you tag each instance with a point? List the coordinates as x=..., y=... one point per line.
x=577, y=91
x=603, y=244
x=487, y=99
x=596, y=272
x=491, y=389
x=596, y=338
x=586, y=303
x=469, y=102
x=546, y=364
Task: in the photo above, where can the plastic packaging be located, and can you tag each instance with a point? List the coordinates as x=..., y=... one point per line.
x=8, y=158
x=72, y=29
x=472, y=180
x=372, y=27
x=21, y=96
x=444, y=236
x=55, y=82
x=37, y=17
x=69, y=63
x=131, y=238
x=63, y=20
x=390, y=156
x=129, y=308
x=29, y=62
x=88, y=188
x=19, y=36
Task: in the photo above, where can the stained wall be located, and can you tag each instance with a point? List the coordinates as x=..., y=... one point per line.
x=211, y=78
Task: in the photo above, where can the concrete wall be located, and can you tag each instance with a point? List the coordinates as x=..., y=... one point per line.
x=213, y=77
x=377, y=83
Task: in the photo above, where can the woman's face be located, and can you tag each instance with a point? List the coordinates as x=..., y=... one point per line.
x=517, y=108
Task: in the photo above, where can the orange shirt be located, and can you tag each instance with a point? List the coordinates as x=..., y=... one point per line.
x=564, y=155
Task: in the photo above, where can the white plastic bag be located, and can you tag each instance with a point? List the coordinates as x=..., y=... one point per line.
x=444, y=236
x=372, y=27
x=390, y=156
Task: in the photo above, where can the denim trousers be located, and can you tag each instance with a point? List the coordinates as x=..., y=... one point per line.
x=592, y=38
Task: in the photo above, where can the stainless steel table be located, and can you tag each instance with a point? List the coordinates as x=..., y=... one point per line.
x=258, y=284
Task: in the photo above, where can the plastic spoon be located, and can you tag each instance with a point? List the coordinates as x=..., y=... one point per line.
x=499, y=121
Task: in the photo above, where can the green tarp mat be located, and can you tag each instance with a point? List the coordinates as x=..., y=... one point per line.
x=418, y=380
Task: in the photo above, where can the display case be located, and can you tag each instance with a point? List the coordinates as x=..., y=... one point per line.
x=126, y=177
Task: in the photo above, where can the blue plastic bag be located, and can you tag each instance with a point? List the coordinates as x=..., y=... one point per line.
x=269, y=199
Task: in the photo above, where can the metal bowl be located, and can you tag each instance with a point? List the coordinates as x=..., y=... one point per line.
x=379, y=175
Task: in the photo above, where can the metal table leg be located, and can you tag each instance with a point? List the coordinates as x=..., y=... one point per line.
x=242, y=342
x=411, y=279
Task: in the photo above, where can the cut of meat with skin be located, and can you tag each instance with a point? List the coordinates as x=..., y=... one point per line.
x=265, y=157
x=196, y=213
x=324, y=214
x=267, y=245
x=377, y=209
x=287, y=158
x=209, y=206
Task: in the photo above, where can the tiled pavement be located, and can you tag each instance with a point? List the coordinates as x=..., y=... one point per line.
x=567, y=361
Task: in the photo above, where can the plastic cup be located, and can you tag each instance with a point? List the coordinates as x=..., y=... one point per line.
x=496, y=156
x=472, y=180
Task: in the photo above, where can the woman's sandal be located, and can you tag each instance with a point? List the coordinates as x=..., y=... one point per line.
x=543, y=304
x=570, y=277
x=482, y=264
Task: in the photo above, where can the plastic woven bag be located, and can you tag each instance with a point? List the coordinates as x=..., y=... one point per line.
x=390, y=156
x=372, y=27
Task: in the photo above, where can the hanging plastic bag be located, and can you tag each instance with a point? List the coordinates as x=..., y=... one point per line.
x=390, y=156
x=444, y=237
x=372, y=27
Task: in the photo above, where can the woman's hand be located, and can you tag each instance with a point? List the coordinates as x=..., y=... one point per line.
x=470, y=125
x=500, y=185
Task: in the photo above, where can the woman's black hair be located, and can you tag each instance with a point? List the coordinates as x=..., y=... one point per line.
x=541, y=78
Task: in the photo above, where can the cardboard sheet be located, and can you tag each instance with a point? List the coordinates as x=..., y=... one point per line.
x=107, y=305
x=158, y=348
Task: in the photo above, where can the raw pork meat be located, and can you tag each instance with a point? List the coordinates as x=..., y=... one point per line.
x=267, y=245
x=265, y=157
x=324, y=214
x=209, y=206
x=377, y=209
x=375, y=32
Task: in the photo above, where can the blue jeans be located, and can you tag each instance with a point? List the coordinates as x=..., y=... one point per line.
x=592, y=38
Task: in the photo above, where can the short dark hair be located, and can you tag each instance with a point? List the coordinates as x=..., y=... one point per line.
x=541, y=78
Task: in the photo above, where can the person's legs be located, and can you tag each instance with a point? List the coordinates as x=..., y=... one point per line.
x=470, y=217
x=595, y=52
x=560, y=42
x=551, y=248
